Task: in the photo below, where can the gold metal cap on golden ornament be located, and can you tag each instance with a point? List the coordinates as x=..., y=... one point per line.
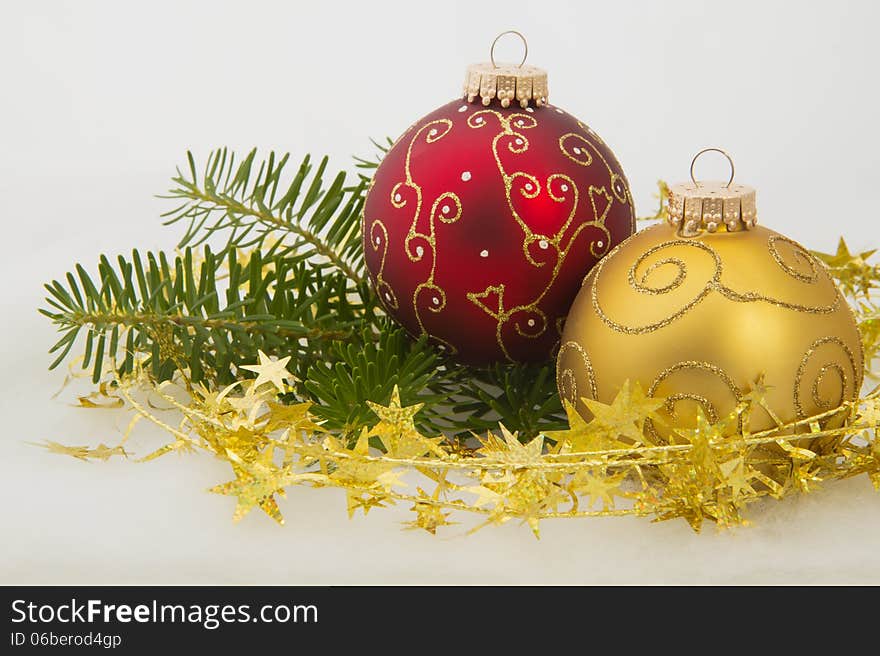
x=506, y=82
x=698, y=206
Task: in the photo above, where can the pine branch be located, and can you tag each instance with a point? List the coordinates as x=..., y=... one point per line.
x=207, y=317
x=289, y=281
x=367, y=369
x=305, y=219
x=523, y=397
x=370, y=165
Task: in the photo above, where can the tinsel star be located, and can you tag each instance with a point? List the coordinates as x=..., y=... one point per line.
x=581, y=435
x=852, y=271
x=509, y=449
x=269, y=371
x=626, y=415
x=394, y=413
x=598, y=486
x=363, y=501
x=805, y=476
x=704, y=435
x=429, y=513
x=869, y=412
x=256, y=484
x=756, y=397
x=525, y=491
x=737, y=477
x=100, y=452
x=397, y=431
x=295, y=416
x=843, y=257
x=361, y=476
x=696, y=483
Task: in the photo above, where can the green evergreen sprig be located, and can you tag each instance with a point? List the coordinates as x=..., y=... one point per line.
x=313, y=221
x=208, y=317
x=288, y=279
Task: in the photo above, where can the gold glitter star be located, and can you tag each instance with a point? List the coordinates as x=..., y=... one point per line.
x=394, y=413
x=852, y=271
x=294, y=416
x=737, y=477
x=256, y=484
x=597, y=485
x=756, y=397
x=843, y=257
x=85, y=453
x=429, y=514
x=397, y=431
x=704, y=435
x=363, y=501
x=869, y=412
x=269, y=371
x=509, y=449
x=581, y=435
x=626, y=415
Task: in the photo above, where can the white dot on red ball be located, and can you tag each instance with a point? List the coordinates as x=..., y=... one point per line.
x=396, y=198
x=387, y=296
x=600, y=244
x=463, y=108
x=484, y=253
x=420, y=251
x=564, y=187
x=519, y=142
x=433, y=131
x=543, y=243
x=466, y=176
x=528, y=186
x=378, y=241
x=445, y=209
x=576, y=150
x=519, y=122
x=435, y=301
x=531, y=322
x=479, y=119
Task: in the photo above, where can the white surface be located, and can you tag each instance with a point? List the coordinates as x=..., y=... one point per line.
x=101, y=99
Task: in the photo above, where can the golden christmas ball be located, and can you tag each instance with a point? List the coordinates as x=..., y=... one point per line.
x=703, y=308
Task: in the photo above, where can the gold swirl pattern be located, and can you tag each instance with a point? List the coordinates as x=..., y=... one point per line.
x=421, y=238
x=849, y=382
x=618, y=186
x=542, y=250
x=565, y=378
x=377, y=241
x=577, y=213
x=642, y=285
x=579, y=154
x=712, y=413
x=764, y=320
x=798, y=254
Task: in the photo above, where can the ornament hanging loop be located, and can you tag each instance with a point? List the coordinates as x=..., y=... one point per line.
x=495, y=42
x=713, y=150
x=508, y=83
x=711, y=206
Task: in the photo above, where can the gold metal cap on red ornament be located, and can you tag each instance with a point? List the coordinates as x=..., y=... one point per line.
x=506, y=82
x=711, y=206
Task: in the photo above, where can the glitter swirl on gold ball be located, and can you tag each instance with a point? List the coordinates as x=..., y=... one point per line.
x=698, y=320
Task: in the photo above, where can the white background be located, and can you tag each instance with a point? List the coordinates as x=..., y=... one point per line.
x=100, y=100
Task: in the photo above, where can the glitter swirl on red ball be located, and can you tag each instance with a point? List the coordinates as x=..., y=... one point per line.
x=481, y=223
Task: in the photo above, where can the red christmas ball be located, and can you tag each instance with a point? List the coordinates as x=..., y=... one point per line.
x=481, y=223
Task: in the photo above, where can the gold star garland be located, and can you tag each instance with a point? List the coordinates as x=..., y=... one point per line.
x=610, y=466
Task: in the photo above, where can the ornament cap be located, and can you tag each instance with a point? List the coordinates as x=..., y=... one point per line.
x=506, y=82
x=711, y=206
